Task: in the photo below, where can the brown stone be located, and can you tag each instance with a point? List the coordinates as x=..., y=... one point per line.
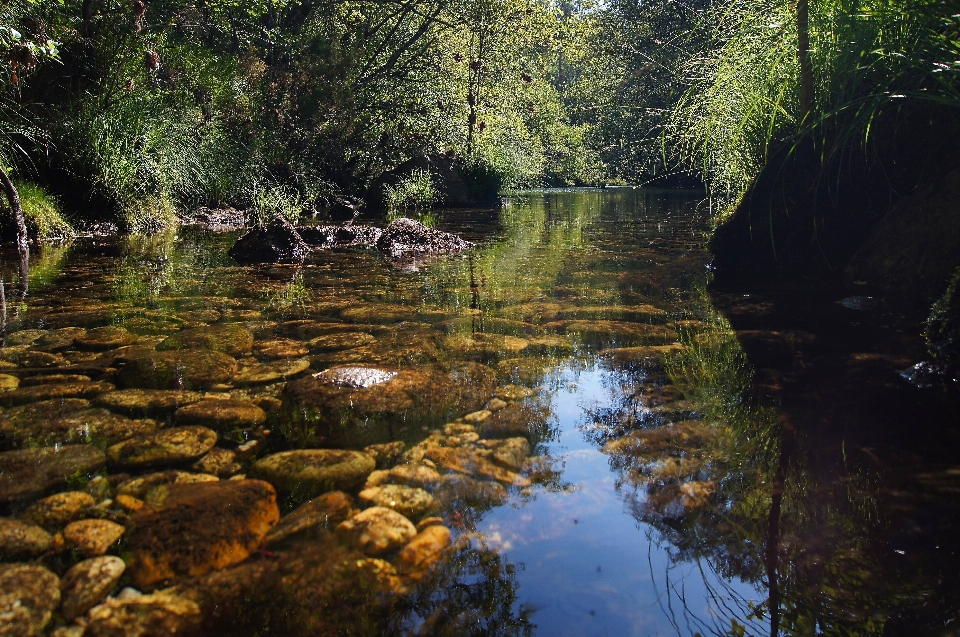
x=87, y=583
x=166, y=446
x=200, y=527
x=143, y=615
x=222, y=414
x=423, y=551
x=324, y=512
x=93, y=537
x=28, y=596
x=376, y=531
x=19, y=540
x=57, y=510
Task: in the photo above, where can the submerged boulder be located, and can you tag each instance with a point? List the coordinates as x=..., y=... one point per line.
x=340, y=236
x=196, y=528
x=301, y=474
x=355, y=406
x=406, y=238
x=277, y=242
x=27, y=473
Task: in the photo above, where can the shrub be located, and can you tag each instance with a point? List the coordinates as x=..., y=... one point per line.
x=416, y=191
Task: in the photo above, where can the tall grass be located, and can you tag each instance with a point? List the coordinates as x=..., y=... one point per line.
x=870, y=57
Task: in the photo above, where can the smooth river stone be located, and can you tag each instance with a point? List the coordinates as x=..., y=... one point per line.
x=182, y=369
x=23, y=415
x=410, y=502
x=469, y=461
x=340, y=341
x=87, y=583
x=106, y=337
x=377, y=531
x=94, y=426
x=378, y=313
x=222, y=414
x=53, y=391
x=147, y=402
x=268, y=372
x=27, y=473
x=20, y=540
x=8, y=382
x=229, y=338
x=423, y=551
x=24, y=337
x=31, y=358
x=93, y=537
x=323, y=512
x=620, y=332
x=166, y=446
x=141, y=486
x=142, y=615
x=306, y=473
x=57, y=510
x=28, y=596
x=197, y=528
x=54, y=378
x=282, y=349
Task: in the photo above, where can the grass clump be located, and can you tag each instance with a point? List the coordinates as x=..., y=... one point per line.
x=41, y=211
x=416, y=191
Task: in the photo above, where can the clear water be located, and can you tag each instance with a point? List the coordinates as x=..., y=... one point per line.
x=655, y=515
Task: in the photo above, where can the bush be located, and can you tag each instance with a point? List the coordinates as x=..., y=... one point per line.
x=42, y=213
x=416, y=191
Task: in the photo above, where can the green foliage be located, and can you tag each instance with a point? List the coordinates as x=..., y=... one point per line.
x=42, y=213
x=268, y=200
x=414, y=192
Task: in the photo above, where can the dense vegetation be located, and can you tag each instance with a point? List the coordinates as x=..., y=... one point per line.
x=140, y=111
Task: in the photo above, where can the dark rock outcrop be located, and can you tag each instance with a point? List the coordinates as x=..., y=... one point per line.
x=339, y=236
x=406, y=238
x=277, y=242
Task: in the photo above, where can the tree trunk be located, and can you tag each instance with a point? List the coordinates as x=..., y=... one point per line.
x=14, y=198
x=803, y=56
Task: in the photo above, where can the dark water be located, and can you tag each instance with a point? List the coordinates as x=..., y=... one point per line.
x=703, y=461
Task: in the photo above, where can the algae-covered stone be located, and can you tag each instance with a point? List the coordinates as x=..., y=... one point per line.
x=485, y=347
x=469, y=461
x=378, y=313
x=411, y=475
x=229, y=338
x=17, y=418
x=386, y=454
x=55, y=511
x=27, y=473
x=19, y=540
x=377, y=531
x=28, y=596
x=259, y=373
x=410, y=502
x=222, y=414
x=218, y=462
x=147, y=402
x=200, y=527
x=282, y=349
x=93, y=537
x=106, y=337
x=24, y=337
x=180, y=369
x=46, y=379
x=166, y=446
x=457, y=491
x=141, y=615
x=355, y=406
x=306, y=473
x=8, y=382
x=324, y=512
x=88, y=582
x=95, y=426
x=616, y=332
x=31, y=358
x=339, y=341
x=54, y=391
x=141, y=486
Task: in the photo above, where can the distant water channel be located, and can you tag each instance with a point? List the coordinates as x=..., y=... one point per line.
x=581, y=437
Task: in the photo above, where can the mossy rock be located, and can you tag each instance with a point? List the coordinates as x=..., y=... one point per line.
x=94, y=426
x=306, y=473
x=28, y=473
x=147, y=402
x=185, y=369
x=165, y=447
x=229, y=338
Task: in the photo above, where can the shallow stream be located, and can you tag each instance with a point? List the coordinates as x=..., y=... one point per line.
x=582, y=439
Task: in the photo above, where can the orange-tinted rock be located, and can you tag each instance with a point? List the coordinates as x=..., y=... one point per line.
x=471, y=462
x=423, y=551
x=376, y=531
x=200, y=527
x=93, y=537
x=157, y=614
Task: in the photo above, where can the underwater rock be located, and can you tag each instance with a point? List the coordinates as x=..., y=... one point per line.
x=141, y=615
x=260, y=373
x=87, y=583
x=93, y=537
x=277, y=242
x=378, y=313
x=57, y=510
x=30, y=358
x=638, y=313
x=182, y=369
x=54, y=378
x=141, y=486
x=411, y=502
x=8, y=382
x=306, y=473
x=54, y=391
x=516, y=419
x=200, y=527
x=405, y=238
x=106, y=337
x=618, y=332
x=222, y=414
x=19, y=540
x=386, y=454
x=29, y=473
x=166, y=446
x=423, y=551
x=340, y=341
x=147, y=402
x=323, y=512
x=376, y=531
x=485, y=347
x=94, y=426
x=411, y=475
x=229, y=338
x=355, y=406
x=456, y=491
x=28, y=596
x=470, y=462
x=282, y=349
x=218, y=462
